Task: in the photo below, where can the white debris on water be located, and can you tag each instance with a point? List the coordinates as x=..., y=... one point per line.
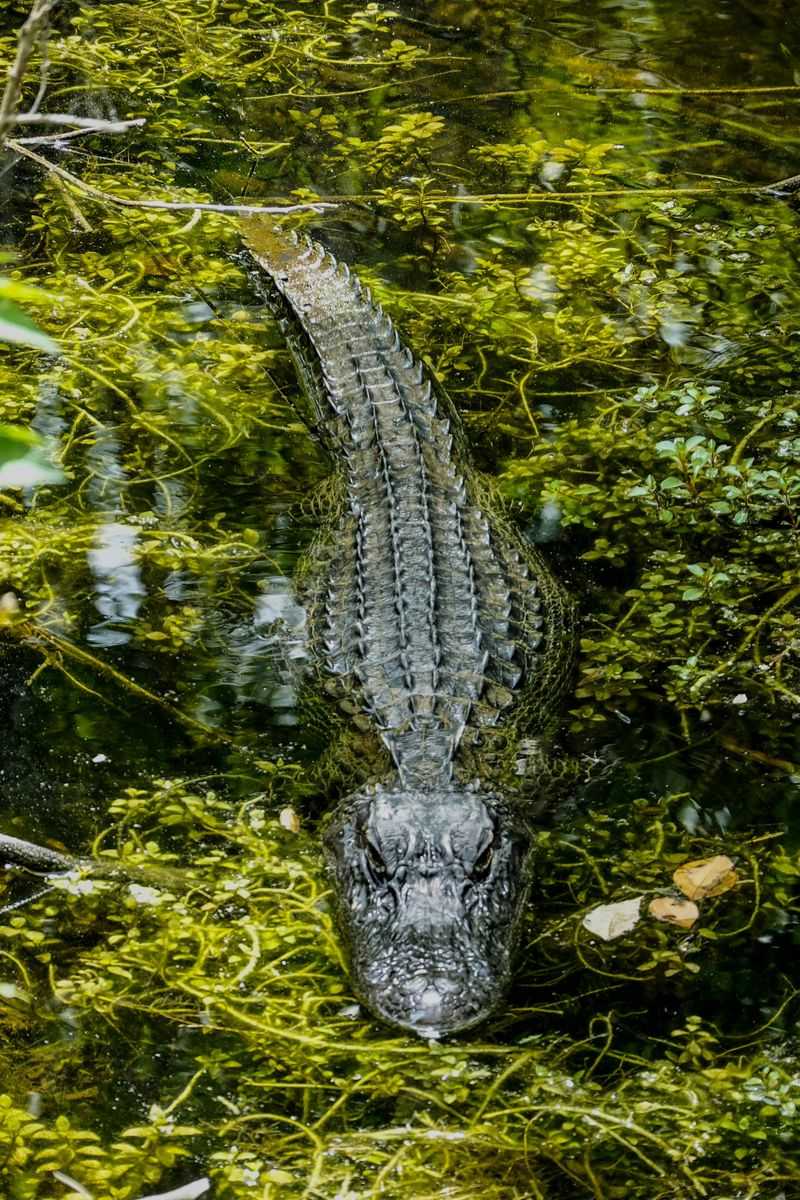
x=144, y=895
x=610, y=921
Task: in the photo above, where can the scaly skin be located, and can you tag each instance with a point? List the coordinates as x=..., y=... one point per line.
x=449, y=638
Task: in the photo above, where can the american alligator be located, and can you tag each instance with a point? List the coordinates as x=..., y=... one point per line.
x=435, y=625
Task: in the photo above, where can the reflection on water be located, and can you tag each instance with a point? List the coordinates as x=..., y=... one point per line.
x=106, y=474
x=118, y=588
x=265, y=657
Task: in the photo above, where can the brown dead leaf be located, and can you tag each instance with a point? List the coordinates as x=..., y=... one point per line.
x=705, y=877
x=675, y=910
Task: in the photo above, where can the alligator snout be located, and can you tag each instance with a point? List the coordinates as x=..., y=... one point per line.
x=430, y=921
x=438, y=1005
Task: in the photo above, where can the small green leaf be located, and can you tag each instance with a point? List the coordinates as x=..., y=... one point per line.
x=23, y=293
x=16, y=326
x=23, y=459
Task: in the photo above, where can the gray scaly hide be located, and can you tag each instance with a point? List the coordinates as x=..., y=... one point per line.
x=440, y=623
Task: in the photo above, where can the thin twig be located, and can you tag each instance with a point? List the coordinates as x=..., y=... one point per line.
x=92, y=123
x=377, y=197
x=592, y=90
x=55, y=139
x=692, y=91
x=86, y=127
x=72, y=205
x=26, y=41
x=38, y=633
x=21, y=146
x=41, y=860
x=44, y=71
x=769, y=760
x=162, y=205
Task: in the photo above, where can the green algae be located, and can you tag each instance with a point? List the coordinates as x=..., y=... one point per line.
x=613, y=307
x=235, y=974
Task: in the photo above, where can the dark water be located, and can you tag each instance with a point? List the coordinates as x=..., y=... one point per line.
x=168, y=557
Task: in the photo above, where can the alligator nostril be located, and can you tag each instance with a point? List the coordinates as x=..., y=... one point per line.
x=428, y=1007
x=431, y=1000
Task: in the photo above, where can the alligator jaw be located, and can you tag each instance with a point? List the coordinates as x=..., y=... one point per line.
x=430, y=887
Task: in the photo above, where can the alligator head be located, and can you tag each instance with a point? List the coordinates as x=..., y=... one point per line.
x=430, y=886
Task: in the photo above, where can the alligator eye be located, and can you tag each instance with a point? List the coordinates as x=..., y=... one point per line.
x=483, y=863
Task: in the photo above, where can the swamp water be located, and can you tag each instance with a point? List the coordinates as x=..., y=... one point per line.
x=558, y=203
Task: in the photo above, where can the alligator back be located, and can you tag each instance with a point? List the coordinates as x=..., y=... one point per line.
x=435, y=614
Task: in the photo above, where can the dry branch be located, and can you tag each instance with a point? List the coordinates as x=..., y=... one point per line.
x=93, y=124
x=26, y=42
x=18, y=853
x=164, y=205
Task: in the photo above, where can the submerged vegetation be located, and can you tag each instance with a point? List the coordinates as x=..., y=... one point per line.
x=245, y=1057
x=584, y=252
